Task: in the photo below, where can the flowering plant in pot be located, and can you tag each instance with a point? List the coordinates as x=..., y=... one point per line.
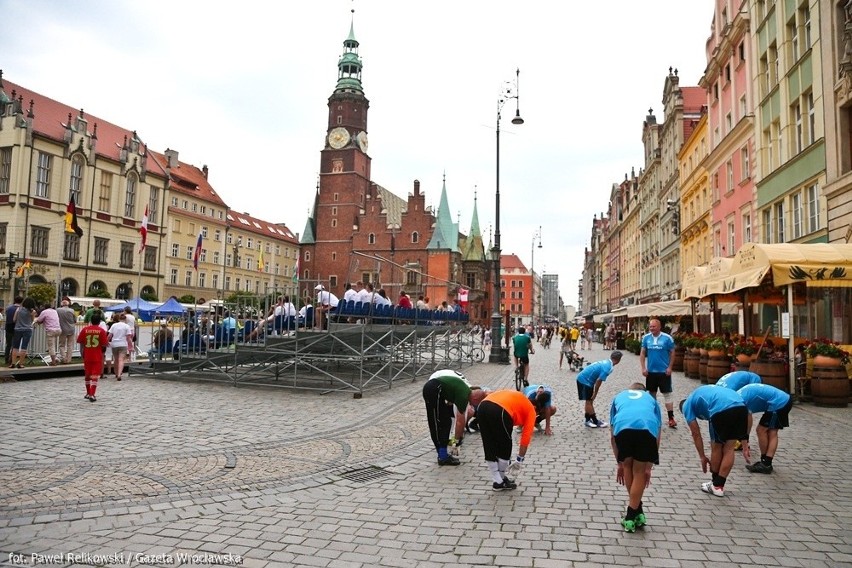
x=715, y=343
x=745, y=346
x=827, y=348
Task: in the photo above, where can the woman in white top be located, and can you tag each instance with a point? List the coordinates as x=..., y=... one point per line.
x=120, y=339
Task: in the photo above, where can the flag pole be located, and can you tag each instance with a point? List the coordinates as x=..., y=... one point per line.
x=59, y=271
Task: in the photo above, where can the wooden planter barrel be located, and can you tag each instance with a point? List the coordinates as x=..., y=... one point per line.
x=677, y=359
x=716, y=368
x=702, y=368
x=830, y=386
x=742, y=366
x=772, y=373
x=690, y=365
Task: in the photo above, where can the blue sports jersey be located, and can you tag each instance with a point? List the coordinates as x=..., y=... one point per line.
x=658, y=352
x=738, y=379
x=599, y=370
x=531, y=390
x=763, y=398
x=709, y=400
x=635, y=410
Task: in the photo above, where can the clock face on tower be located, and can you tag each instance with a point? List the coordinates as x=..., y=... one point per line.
x=338, y=138
x=362, y=141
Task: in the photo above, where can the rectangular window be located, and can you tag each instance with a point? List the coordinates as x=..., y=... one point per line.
x=187, y=278
x=809, y=106
x=173, y=275
x=729, y=123
x=215, y=257
x=780, y=234
x=793, y=33
x=126, y=255
x=174, y=201
x=228, y=259
x=806, y=19
x=796, y=211
x=249, y=243
x=101, y=252
x=150, y=262
x=715, y=188
x=76, y=179
x=175, y=250
x=105, y=191
x=217, y=235
x=227, y=282
x=813, y=208
x=202, y=279
x=743, y=107
x=71, y=248
x=744, y=164
x=797, y=120
x=130, y=198
x=215, y=282
x=189, y=250
x=204, y=231
x=176, y=225
x=43, y=175
x=195, y=207
x=40, y=240
x=731, y=238
x=154, y=206
x=332, y=281
x=202, y=257
x=729, y=169
x=3, y=227
x=767, y=226
x=5, y=170
x=747, y=227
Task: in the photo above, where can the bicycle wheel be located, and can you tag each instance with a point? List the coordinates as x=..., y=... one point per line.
x=519, y=378
x=477, y=354
x=455, y=353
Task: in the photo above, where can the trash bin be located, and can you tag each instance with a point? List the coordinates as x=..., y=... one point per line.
x=619, y=341
x=504, y=355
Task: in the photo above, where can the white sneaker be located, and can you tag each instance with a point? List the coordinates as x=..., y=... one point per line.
x=708, y=487
x=591, y=423
x=603, y=424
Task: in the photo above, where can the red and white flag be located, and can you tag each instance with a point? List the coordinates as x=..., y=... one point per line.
x=462, y=296
x=143, y=229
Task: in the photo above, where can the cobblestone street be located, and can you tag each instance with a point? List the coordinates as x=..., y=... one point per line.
x=273, y=477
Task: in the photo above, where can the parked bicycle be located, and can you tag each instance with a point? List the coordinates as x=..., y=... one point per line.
x=466, y=353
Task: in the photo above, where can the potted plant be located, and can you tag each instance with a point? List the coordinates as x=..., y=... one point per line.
x=715, y=346
x=826, y=353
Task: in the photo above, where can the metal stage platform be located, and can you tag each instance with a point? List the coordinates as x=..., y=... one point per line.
x=348, y=357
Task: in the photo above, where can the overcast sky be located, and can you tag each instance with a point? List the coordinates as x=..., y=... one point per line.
x=243, y=88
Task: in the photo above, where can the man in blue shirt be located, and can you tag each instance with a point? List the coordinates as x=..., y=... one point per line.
x=738, y=379
x=728, y=417
x=655, y=360
x=542, y=398
x=636, y=428
x=589, y=381
x=775, y=405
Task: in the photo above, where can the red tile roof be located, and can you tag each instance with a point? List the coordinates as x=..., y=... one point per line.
x=188, y=180
x=511, y=261
x=246, y=222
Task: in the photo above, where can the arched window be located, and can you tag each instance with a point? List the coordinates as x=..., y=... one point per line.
x=415, y=237
x=371, y=239
x=76, y=179
x=96, y=288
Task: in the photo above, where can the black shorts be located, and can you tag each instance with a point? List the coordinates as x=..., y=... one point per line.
x=730, y=424
x=640, y=445
x=495, y=427
x=658, y=382
x=584, y=392
x=778, y=419
x=525, y=359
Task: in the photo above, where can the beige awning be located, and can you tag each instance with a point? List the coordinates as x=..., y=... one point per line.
x=692, y=279
x=675, y=308
x=822, y=264
x=602, y=318
x=702, y=281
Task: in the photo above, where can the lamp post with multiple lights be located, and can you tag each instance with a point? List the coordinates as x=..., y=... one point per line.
x=510, y=91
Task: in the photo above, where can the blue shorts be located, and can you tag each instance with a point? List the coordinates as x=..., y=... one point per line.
x=21, y=339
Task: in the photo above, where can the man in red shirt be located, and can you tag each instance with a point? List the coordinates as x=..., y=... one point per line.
x=93, y=343
x=404, y=300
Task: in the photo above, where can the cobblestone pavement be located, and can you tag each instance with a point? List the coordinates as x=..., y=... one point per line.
x=270, y=477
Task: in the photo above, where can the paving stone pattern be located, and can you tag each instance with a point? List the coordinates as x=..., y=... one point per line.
x=276, y=477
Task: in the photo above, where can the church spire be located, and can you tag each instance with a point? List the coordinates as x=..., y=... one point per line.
x=349, y=64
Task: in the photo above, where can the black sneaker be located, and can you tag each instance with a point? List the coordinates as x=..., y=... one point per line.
x=87, y=397
x=92, y=399
x=759, y=467
x=449, y=460
x=506, y=485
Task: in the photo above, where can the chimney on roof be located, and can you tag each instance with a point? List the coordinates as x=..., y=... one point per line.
x=417, y=187
x=204, y=170
x=171, y=158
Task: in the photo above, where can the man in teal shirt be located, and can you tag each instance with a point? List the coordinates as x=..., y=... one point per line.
x=523, y=348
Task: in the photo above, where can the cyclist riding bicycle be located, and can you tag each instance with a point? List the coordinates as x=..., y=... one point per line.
x=523, y=347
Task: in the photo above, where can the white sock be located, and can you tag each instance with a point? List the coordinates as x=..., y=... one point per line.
x=501, y=467
x=495, y=473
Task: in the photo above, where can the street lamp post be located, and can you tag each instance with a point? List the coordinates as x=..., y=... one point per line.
x=509, y=92
x=536, y=235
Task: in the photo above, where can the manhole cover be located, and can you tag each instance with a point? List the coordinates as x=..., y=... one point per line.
x=365, y=474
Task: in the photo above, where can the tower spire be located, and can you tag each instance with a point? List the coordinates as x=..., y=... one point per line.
x=349, y=64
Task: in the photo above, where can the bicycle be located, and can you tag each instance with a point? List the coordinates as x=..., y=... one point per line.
x=520, y=383
x=472, y=353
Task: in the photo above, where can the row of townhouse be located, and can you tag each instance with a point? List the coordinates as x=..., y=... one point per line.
x=759, y=151
x=51, y=153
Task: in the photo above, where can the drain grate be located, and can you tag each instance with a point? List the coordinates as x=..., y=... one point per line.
x=366, y=474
